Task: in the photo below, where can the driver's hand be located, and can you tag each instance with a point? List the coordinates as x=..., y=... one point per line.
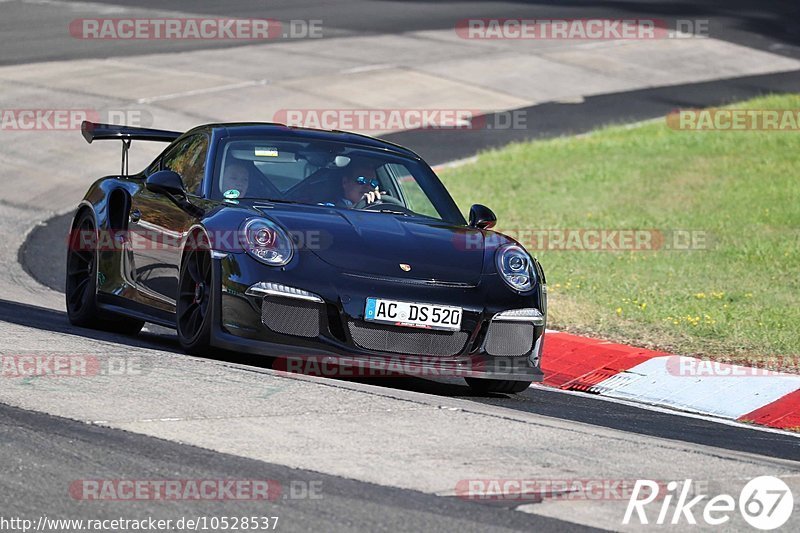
x=372, y=196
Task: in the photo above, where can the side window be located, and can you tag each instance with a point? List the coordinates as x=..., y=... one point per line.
x=154, y=167
x=189, y=160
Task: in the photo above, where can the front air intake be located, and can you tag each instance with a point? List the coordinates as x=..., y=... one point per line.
x=291, y=317
x=408, y=341
x=509, y=339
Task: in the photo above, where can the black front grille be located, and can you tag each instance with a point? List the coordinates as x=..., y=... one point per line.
x=408, y=341
x=509, y=338
x=291, y=317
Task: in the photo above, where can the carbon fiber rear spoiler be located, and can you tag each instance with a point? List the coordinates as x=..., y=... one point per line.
x=92, y=131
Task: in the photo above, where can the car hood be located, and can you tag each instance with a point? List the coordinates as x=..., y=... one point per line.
x=378, y=243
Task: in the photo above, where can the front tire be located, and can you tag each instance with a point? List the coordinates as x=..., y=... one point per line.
x=505, y=386
x=193, y=309
x=81, y=283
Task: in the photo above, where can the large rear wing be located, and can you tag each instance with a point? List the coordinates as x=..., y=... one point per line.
x=92, y=131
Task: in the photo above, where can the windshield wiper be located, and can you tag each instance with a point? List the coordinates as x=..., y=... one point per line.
x=393, y=211
x=282, y=201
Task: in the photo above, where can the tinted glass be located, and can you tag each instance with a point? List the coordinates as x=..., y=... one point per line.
x=329, y=174
x=189, y=160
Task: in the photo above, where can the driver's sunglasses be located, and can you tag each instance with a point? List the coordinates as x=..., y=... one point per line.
x=361, y=180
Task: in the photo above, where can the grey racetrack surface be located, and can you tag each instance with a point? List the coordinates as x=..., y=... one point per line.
x=36, y=31
x=202, y=418
x=50, y=454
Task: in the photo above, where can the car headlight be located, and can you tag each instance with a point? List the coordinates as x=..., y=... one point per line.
x=265, y=241
x=515, y=267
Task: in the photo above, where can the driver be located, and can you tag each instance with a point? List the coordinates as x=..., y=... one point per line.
x=235, y=180
x=359, y=183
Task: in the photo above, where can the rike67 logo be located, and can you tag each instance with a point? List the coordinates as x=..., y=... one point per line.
x=765, y=503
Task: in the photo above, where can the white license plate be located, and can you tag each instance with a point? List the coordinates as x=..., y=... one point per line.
x=415, y=315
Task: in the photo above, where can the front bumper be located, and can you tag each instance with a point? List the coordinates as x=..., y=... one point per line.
x=317, y=314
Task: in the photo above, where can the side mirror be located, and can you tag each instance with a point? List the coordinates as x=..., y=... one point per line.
x=165, y=182
x=481, y=217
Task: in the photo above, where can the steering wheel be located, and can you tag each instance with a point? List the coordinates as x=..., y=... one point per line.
x=385, y=199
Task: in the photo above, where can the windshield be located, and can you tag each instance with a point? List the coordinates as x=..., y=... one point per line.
x=330, y=174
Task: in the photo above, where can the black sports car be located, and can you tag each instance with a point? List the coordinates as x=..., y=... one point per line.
x=300, y=243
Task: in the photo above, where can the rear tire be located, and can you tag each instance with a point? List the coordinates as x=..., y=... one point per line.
x=505, y=386
x=81, y=283
x=193, y=308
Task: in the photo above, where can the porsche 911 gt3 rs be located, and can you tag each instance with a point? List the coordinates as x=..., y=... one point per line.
x=293, y=242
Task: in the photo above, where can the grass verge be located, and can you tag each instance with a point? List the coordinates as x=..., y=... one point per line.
x=735, y=293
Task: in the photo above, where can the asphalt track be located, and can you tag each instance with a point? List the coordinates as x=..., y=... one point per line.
x=540, y=400
x=50, y=452
x=766, y=25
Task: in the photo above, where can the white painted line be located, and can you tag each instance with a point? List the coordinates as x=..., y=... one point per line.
x=368, y=68
x=208, y=90
x=666, y=410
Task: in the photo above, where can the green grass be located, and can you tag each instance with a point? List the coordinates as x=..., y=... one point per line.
x=739, y=298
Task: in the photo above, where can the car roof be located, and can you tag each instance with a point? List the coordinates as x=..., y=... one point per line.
x=308, y=134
